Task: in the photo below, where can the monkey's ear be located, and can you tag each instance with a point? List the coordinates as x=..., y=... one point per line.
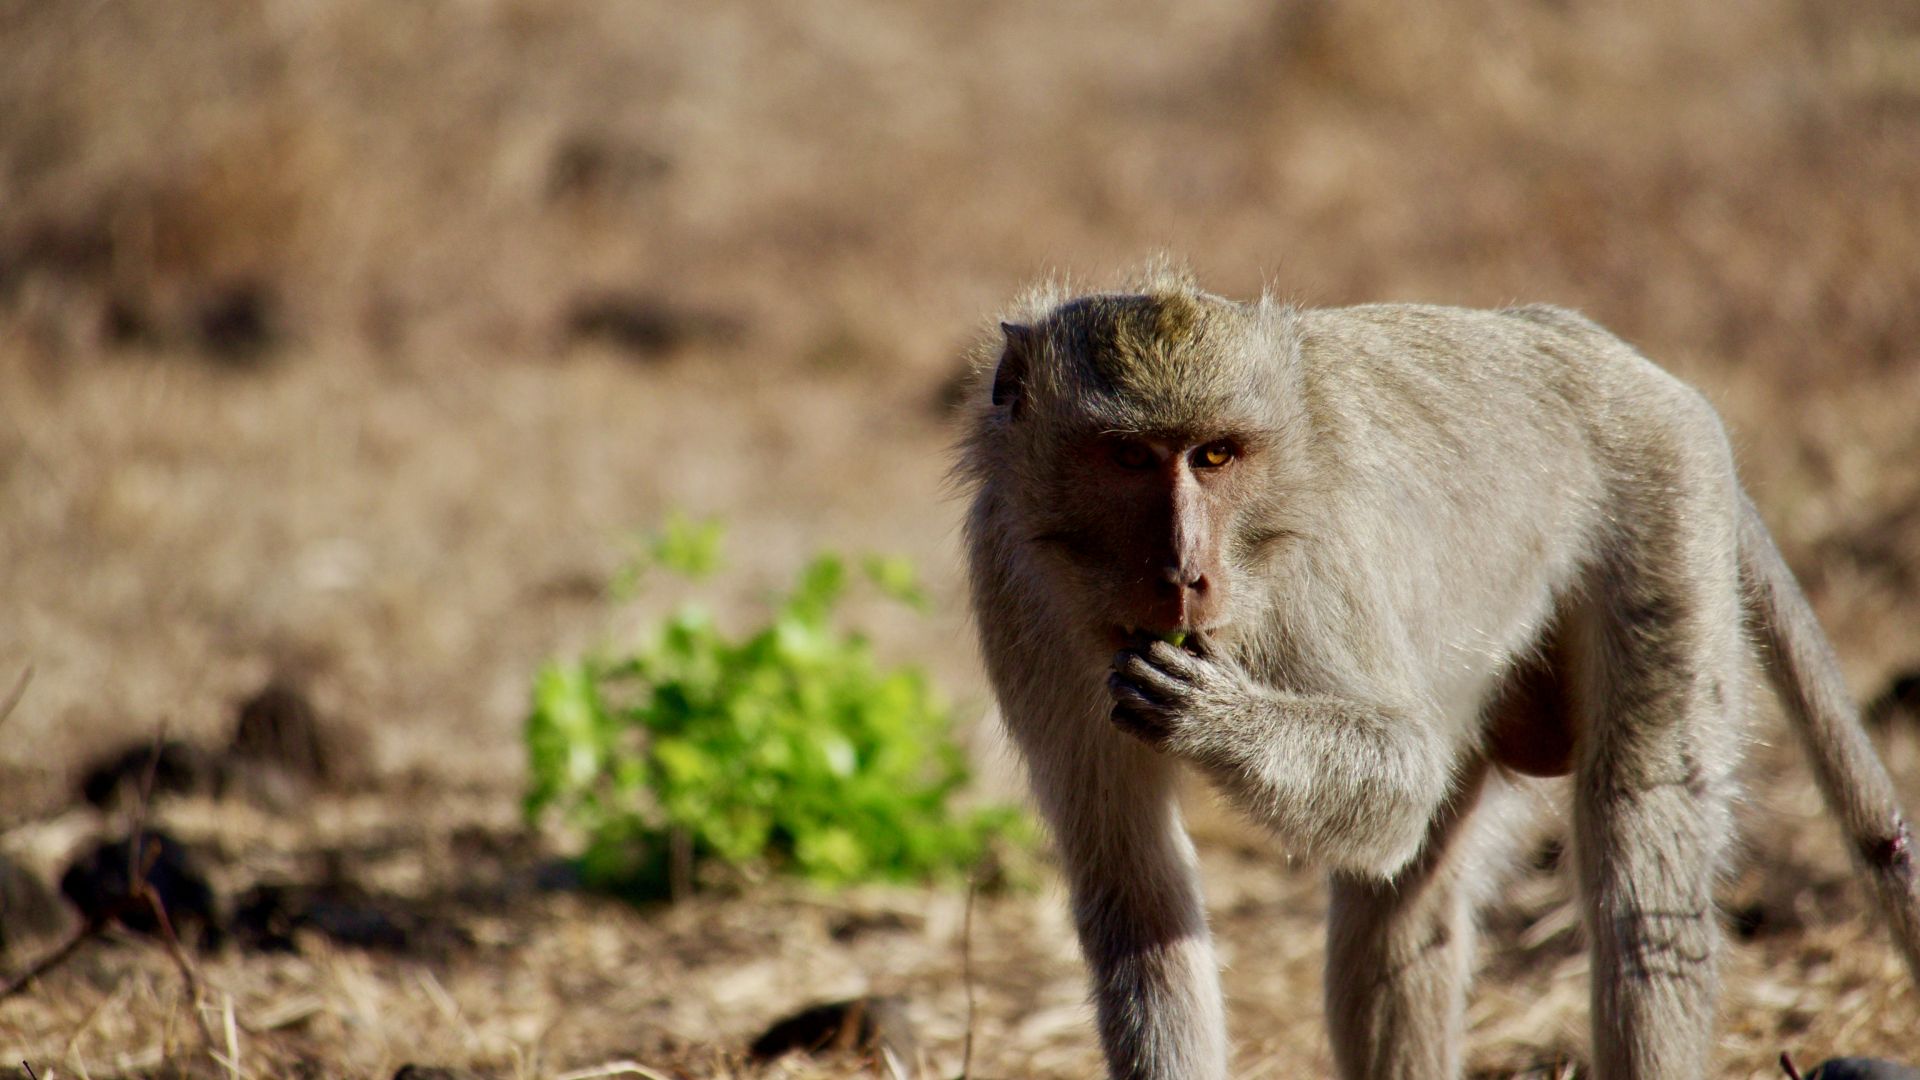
x=1010, y=375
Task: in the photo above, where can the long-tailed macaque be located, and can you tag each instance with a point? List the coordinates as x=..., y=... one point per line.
x=1365, y=569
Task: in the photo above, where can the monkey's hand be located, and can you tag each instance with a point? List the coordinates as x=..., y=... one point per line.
x=1173, y=699
x=1349, y=783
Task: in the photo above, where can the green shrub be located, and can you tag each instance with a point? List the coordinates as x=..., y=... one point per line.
x=698, y=756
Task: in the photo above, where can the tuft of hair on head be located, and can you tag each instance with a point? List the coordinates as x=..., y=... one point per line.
x=1164, y=275
x=1160, y=276
x=1154, y=331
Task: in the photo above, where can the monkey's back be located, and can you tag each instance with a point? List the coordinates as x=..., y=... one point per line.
x=1468, y=443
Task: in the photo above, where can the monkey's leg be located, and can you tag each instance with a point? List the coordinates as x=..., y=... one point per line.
x=1662, y=692
x=1134, y=882
x=1399, y=952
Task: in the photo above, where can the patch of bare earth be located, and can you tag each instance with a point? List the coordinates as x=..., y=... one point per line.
x=344, y=343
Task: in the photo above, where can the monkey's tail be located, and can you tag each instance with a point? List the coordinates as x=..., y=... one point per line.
x=1805, y=674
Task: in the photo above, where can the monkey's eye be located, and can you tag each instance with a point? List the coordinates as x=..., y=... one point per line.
x=1213, y=455
x=1133, y=455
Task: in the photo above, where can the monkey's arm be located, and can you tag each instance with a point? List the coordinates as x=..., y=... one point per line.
x=1352, y=784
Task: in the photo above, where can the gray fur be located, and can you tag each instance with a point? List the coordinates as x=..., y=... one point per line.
x=1427, y=495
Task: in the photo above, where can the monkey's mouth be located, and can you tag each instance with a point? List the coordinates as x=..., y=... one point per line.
x=1188, y=638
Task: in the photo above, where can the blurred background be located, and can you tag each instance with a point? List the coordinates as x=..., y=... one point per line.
x=342, y=345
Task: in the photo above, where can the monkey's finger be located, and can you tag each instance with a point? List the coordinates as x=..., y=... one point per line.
x=1149, y=676
x=1175, y=661
x=1201, y=643
x=1126, y=692
x=1138, y=725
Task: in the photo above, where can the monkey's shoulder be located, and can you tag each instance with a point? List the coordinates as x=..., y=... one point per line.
x=1512, y=362
x=1458, y=333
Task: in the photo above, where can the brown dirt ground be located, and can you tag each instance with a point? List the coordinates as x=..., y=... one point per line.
x=287, y=385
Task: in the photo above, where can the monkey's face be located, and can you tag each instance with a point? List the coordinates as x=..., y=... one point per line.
x=1133, y=442
x=1140, y=523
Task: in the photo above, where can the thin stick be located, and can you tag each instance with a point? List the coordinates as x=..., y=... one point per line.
x=86, y=1025
x=53, y=959
x=181, y=962
x=679, y=865
x=140, y=892
x=232, y=1060
x=612, y=1068
x=137, y=825
x=139, y=861
x=29, y=1068
x=1786, y=1062
x=966, y=975
x=13, y=698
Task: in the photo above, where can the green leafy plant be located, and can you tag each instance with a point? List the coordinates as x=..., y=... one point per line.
x=699, y=755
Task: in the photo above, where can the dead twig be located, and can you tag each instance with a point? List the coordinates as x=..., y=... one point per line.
x=231, y=1059
x=139, y=863
x=679, y=865
x=13, y=698
x=140, y=860
x=1786, y=1064
x=612, y=1068
x=53, y=959
x=135, y=876
x=181, y=962
x=966, y=975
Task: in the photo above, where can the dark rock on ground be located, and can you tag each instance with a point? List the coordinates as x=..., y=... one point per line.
x=281, y=747
x=1788, y=900
x=648, y=326
x=269, y=918
x=875, y=1026
x=99, y=884
x=559, y=875
x=435, y=1072
x=181, y=769
x=125, y=321
x=238, y=323
x=1752, y=920
x=1901, y=699
x=265, y=918
x=28, y=908
x=1546, y=1070
x=279, y=727
x=1856, y=1068
x=598, y=164
x=857, y=924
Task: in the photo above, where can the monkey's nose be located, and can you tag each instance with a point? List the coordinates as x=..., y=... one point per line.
x=1175, y=579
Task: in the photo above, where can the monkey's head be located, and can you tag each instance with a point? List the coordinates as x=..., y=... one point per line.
x=1138, y=445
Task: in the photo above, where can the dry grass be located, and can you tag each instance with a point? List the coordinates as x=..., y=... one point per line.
x=286, y=385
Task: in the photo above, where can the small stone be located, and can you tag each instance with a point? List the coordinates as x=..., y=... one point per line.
x=1860, y=1068
x=1901, y=698
x=268, y=918
x=279, y=727
x=873, y=1026
x=649, y=327
x=178, y=768
x=99, y=884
